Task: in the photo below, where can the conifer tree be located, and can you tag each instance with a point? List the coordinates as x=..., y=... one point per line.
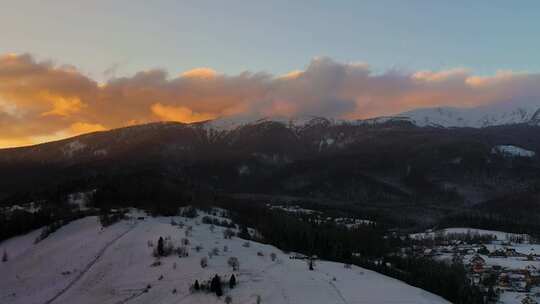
x=160, y=250
x=232, y=281
x=215, y=286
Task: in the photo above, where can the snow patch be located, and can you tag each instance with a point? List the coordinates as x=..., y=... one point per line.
x=512, y=151
x=73, y=147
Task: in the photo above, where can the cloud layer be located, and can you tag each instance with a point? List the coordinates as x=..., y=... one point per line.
x=42, y=101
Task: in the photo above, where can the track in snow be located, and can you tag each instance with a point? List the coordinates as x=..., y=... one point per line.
x=89, y=266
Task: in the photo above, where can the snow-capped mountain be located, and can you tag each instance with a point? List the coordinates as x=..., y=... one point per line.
x=507, y=113
x=477, y=117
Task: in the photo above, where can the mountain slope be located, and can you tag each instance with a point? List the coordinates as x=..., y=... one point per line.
x=114, y=266
x=383, y=162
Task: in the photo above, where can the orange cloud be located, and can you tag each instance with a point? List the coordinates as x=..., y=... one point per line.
x=204, y=73
x=40, y=101
x=63, y=106
x=292, y=74
x=84, y=127
x=181, y=114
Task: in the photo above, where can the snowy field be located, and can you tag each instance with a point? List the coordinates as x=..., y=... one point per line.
x=82, y=263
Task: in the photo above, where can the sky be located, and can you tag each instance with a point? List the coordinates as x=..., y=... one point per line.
x=69, y=67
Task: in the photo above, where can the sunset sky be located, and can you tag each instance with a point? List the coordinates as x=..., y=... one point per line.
x=70, y=67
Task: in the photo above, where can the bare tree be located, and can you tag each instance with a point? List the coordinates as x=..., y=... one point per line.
x=234, y=263
x=311, y=263
x=228, y=233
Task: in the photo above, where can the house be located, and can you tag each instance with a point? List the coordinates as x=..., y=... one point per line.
x=482, y=250
x=511, y=252
x=504, y=280
x=532, y=275
x=475, y=279
x=528, y=300
x=518, y=281
x=497, y=268
x=498, y=253
x=477, y=263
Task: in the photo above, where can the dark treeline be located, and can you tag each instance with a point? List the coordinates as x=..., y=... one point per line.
x=447, y=280
x=50, y=216
x=304, y=234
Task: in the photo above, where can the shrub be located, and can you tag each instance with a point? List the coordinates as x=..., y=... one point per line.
x=273, y=256
x=188, y=231
x=189, y=212
x=204, y=262
x=182, y=252
x=228, y=233
x=106, y=218
x=48, y=230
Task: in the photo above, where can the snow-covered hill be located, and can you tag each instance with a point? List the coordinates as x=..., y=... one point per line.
x=477, y=117
x=82, y=263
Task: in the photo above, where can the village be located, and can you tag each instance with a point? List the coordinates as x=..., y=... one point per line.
x=505, y=266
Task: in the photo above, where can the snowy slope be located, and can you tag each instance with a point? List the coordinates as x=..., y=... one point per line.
x=477, y=117
x=113, y=266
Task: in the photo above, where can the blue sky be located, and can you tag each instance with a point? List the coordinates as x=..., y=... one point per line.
x=276, y=37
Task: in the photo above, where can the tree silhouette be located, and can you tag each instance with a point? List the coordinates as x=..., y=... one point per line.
x=232, y=282
x=215, y=286
x=160, y=250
